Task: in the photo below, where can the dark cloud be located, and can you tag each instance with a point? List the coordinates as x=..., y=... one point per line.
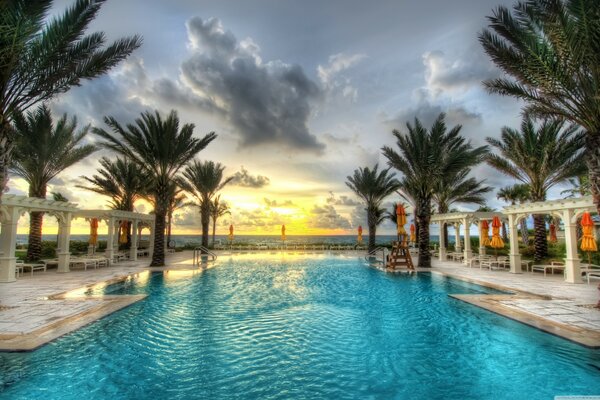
x=342, y=200
x=244, y=179
x=327, y=217
x=267, y=103
x=427, y=112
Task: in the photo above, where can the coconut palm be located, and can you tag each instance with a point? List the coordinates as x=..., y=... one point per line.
x=551, y=51
x=203, y=180
x=43, y=149
x=42, y=57
x=518, y=193
x=218, y=209
x=373, y=186
x=57, y=196
x=458, y=188
x=121, y=180
x=580, y=186
x=160, y=148
x=177, y=200
x=425, y=157
x=539, y=157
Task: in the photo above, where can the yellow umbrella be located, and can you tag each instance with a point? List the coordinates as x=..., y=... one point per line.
x=484, y=238
x=413, y=237
x=93, y=232
x=359, y=234
x=231, y=233
x=283, y=233
x=400, y=221
x=588, y=242
x=124, y=231
x=496, y=242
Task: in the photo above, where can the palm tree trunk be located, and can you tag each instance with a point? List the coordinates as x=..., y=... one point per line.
x=504, y=232
x=34, y=248
x=205, y=221
x=169, y=219
x=214, y=231
x=6, y=147
x=158, y=253
x=540, y=239
x=579, y=229
x=423, y=218
x=524, y=232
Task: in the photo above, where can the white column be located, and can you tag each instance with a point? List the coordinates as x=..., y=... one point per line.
x=513, y=239
x=442, y=242
x=468, y=252
x=481, y=246
x=457, y=246
x=134, y=240
x=110, y=252
x=64, y=237
x=8, y=242
x=572, y=268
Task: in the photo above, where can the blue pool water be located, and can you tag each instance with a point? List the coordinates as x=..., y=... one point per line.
x=305, y=327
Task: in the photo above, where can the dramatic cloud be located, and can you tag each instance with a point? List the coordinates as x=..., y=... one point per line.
x=266, y=103
x=332, y=78
x=275, y=203
x=327, y=217
x=342, y=200
x=259, y=218
x=243, y=178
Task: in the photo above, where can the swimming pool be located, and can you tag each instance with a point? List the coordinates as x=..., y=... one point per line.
x=300, y=327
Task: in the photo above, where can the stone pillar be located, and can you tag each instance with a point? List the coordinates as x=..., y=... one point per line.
x=572, y=267
x=8, y=243
x=442, y=242
x=134, y=240
x=514, y=255
x=481, y=247
x=64, y=237
x=110, y=252
x=457, y=246
x=468, y=254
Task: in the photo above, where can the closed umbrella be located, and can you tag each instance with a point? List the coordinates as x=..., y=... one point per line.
x=283, y=233
x=496, y=242
x=413, y=237
x=401, y=221
x=93, y=232
x=231, y=233
x=359, y=234
x=484, y=238
x=588, y=242
x=124, y=230
x=553, y=238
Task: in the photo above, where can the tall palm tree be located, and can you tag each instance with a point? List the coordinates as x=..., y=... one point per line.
x=425, y=157
x=518, y=193
x=551, y=51
x=57, y=196
x=458, y=188
x=42, y=57
x=161, y=148
x=580, y=186
x=218, y=209
x=43, y=149
x=177, y=200
x=122, y=180
x=373, y=186
x=203, y=180
x=539, y=157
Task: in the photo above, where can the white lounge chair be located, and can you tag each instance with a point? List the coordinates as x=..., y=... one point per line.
x=554, y=265
x=32, y=267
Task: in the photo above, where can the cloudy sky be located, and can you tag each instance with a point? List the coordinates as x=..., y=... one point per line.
x=299, y=93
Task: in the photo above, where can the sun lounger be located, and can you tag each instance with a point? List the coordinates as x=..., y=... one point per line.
x=84, y=263
x=553, y=266
x=592, y=275
x=32, y=267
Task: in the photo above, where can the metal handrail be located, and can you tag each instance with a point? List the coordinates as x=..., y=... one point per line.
x=372, y=255
x=200, y=252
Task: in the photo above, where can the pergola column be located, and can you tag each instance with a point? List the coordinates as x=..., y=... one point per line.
x=481, y=246
x=457, y=246
x=514, y=255
x=572, y=268
x=110, y=240
x=442, y=242
x=64, y=237
x=134, y=240
x=8, y=243
x=468, y=253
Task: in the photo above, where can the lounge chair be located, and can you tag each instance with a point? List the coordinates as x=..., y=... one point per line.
x=554, y=265
x=592, y=275
x=32, y=267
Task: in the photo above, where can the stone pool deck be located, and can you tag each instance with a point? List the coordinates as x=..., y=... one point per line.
x=35, y=310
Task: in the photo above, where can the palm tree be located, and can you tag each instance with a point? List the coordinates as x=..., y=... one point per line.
x=580, y=187
x=425, y=157
x=518, y=193
x=204, y=180
x=57, y=196
x=539, y=157
x=218, y=209
x=177, y=200
x=42, y=150
x=373, y=186
x=160, y=148
x=551, y=50
x=458, y=189
x=122, y=180
x=42, y=57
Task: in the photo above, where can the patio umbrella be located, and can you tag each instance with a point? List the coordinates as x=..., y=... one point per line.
x=496, y=242
x=283, y=233
x=553, y=238
x=231, y=233
x=588, y=242
x=93, y=232
x=400, y=221
x=484, y=238
x=359, y=234
x=124, y=230
x=413, y=237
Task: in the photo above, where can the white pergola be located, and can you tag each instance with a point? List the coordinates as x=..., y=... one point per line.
x=568, y=210
x=13, y=207
x=465, y=219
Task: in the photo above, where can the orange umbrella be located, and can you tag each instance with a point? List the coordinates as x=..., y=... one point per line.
x=553, y=238
x=413, y=237
x=93, y=231
x=496, y=242
x=588, y=242
x=283, y=233
x=231, y=233
x=360, y=234
x=400, y=219
x=484, y=239
x=124, y=231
